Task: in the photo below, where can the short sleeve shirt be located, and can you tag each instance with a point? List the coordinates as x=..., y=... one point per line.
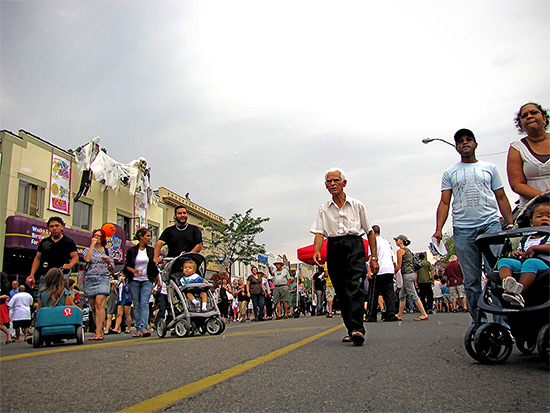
x=54, y=254
x=181, y=241
x=350, y=219
x=281, y=278
x=255, y=286
x=473, y=185
x=424, y=273
x=45, y=298
x=96, y=265
x=453, y=273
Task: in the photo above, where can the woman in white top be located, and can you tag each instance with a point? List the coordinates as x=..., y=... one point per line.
x=141, y=273
x=529, y=158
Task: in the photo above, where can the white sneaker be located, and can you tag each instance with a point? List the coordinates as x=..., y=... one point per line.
x=514, y=299
x=512, y=286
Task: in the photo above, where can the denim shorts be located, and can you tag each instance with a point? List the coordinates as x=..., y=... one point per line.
x=96, y=285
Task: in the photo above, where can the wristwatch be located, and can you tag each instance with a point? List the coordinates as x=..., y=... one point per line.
x=374, y=258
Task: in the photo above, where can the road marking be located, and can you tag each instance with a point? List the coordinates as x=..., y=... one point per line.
x=140, y=340
x=77, y=348
x=173, y=396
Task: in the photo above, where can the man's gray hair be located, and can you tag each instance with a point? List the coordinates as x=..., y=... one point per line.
x=342, y=173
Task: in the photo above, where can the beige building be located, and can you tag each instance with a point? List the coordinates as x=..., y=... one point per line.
x=39, y=180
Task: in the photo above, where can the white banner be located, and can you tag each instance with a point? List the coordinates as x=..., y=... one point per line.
x=60, y=185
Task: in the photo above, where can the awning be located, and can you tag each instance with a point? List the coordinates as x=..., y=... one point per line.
x=305, y=254
x=26, y=233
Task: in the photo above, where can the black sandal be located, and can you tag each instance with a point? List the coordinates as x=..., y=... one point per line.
x=346, y=339
x=358, y=338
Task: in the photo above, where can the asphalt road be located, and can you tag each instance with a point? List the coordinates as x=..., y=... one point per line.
x=297, y=365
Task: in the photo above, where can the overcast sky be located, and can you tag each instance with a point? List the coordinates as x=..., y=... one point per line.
x=245, y=104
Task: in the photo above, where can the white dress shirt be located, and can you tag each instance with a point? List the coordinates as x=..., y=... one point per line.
x=351, y=219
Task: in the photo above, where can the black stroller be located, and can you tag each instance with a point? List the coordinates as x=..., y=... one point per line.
x=492, y=343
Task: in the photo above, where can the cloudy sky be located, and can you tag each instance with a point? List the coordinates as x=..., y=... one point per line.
x=245, y=104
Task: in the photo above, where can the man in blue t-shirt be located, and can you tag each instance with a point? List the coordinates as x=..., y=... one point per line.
x=477, y=193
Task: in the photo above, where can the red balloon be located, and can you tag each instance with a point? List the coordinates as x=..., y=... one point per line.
x=109, y=229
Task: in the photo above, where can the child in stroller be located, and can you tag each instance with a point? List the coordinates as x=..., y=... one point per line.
x=181, y=312
x=532, y=256
x=190, y=276
x=492, y=343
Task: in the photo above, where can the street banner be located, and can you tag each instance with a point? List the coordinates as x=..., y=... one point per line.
x=60, y=185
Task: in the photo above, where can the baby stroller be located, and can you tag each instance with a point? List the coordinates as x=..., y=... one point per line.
x=181, y=315
x=492, y=343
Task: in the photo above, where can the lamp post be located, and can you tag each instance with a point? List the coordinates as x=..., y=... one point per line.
x=221, y=259
x=428, y=140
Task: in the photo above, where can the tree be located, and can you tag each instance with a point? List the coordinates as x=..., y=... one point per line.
x=234, y=240
x=449, y=242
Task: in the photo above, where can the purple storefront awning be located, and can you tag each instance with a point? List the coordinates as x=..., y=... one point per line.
x=26, y=233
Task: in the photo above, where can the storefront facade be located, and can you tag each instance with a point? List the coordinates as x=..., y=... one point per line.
x=39, y=180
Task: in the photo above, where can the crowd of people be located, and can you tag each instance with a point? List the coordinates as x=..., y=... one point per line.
x=357, y=286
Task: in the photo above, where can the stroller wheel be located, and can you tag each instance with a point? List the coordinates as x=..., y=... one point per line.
x=526, y=346
x=181, y=328
x=493, y=343
x=469, y=343
x=214, y=326
x=161, y=328
x=543, y=343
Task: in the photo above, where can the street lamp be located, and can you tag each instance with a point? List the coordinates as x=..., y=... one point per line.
x=428, y=140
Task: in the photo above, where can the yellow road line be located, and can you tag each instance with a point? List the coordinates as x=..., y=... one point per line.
x=75, y=348
x=139, y=340
x=173, y=396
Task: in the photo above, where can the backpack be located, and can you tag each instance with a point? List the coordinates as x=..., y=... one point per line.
x=416, y=262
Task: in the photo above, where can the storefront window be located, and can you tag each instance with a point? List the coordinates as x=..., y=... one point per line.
x=124, y=222
x=82, y=215
x=30, y=199
x=154, y=233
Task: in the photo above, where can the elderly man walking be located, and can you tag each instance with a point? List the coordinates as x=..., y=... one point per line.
x=344, y=220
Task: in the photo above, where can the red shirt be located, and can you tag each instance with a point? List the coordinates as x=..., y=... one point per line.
x=453, y=273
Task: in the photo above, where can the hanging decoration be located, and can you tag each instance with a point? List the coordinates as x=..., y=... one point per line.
x=93, y=162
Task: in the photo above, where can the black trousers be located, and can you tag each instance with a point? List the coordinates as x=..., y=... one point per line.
x=346, y=263
x=382, y=284
x=426, y=295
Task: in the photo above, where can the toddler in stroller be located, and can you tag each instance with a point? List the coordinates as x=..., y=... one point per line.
x=184, y=314
x=532, y=256
x=190, y=276
x=526, y=309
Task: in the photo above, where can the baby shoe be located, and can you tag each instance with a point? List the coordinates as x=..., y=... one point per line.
x=514, y=299
x=512, y=286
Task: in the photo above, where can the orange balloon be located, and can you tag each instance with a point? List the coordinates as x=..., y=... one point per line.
x=109, y=229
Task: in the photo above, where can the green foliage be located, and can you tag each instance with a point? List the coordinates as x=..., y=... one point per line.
x=234, y=240
x=449, y=242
